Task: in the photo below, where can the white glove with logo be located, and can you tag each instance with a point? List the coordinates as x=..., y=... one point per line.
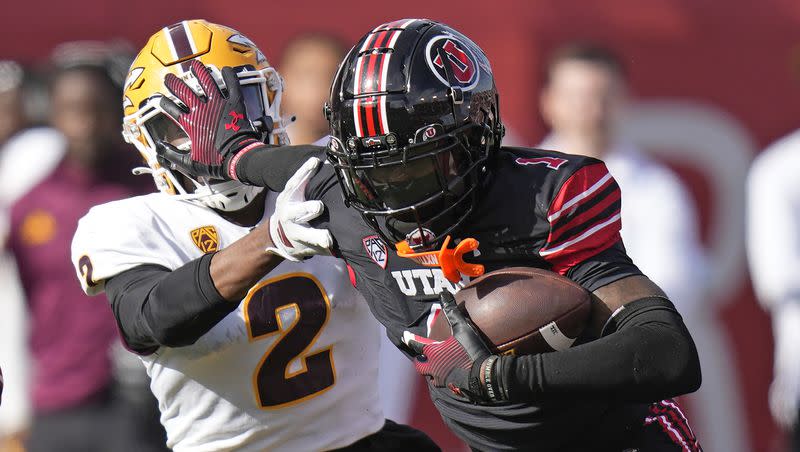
x=784, y=392
x=293, y=238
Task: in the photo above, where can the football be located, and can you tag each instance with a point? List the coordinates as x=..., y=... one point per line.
x=523, y=310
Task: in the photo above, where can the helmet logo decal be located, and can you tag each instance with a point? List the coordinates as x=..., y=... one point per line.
x=462, y=65
x=420, y=236
x=376, y=250
x=241, y=40
x=132, y=77
x=372, y=141
x=428, y=132
x=244, y=41
x=206, y=238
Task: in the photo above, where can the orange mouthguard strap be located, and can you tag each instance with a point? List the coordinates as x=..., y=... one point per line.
x=451, y=261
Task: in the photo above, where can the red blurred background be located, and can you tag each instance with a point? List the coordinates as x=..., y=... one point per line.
x=738, y=57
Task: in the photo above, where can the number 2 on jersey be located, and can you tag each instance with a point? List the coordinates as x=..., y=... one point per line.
x=267, y=307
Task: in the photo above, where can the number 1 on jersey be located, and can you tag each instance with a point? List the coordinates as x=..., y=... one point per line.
x=268, y=305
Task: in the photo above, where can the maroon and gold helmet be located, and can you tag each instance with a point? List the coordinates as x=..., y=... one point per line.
x=170, y=50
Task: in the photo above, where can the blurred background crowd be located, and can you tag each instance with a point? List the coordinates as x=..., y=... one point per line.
x=681, y=98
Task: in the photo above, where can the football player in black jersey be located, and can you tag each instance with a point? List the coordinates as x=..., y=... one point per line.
x=415, y=166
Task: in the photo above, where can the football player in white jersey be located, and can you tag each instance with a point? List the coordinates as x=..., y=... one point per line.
x=247, y=346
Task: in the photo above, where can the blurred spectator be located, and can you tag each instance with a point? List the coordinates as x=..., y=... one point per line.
x=14, y=413
x=18, y=171
x=773, y=244
x=12, y=117
x=583, y=97
x=308, y=66
x=70, y=336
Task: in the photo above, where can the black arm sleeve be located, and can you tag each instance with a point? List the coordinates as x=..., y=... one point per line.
x=154, y=306
x=271, y=166
x=646, y=354
x=603, y=268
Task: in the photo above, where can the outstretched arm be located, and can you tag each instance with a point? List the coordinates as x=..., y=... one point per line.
x=155, y=306
x=271, y=166
x=218, y=150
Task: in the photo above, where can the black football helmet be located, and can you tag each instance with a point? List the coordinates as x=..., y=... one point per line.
x=414, y=120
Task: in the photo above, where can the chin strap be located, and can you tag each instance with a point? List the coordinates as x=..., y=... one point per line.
x=451, y=261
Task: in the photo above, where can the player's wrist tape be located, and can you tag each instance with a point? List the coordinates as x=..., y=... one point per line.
x=487, y=372
x=249, y=144
x=502, y=389
x=502, y=374
x=492, y=378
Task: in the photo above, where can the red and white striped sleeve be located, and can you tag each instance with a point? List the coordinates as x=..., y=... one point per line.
x=584, y=218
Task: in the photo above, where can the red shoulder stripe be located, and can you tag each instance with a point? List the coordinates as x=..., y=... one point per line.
x=597, y=238
x=591, y=213
x=580, y=187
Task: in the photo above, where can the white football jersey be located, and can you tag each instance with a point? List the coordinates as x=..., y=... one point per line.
x=294, y=367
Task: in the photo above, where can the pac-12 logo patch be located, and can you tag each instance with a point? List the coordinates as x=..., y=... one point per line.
x=461, y=63
x=376, y=250
x=206, y=238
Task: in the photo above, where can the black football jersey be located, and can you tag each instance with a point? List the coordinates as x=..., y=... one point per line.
x=540, y=209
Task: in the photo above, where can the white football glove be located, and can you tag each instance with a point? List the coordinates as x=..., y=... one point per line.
x=293, y=238
x=784, y=392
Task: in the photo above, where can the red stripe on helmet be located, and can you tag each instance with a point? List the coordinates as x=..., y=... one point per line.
x=371, y=77
x=369, y=110
x=367, y=42
x=379, y=39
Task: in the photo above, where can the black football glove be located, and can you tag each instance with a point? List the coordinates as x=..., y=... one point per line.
x=216, y=124
x=463, y=363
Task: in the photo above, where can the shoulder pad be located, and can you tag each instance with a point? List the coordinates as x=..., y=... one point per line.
x=584, y=215
x=117, y=236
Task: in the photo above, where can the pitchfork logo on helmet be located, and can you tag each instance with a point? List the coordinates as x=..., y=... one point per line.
x=448, y=50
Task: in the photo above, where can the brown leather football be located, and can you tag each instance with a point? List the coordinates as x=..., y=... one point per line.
x=523, y=310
